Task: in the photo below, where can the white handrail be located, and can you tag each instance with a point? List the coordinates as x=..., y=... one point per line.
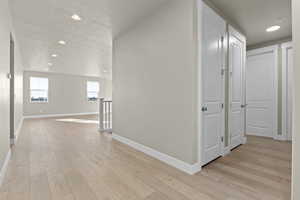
x=105, y=115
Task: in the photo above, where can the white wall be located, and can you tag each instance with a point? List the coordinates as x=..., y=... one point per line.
x=107, y=86
x=18, y=86
x=155, y=82
x=6, y=28
x=67, y=94
x=296, y=136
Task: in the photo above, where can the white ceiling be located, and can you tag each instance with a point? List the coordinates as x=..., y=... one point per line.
x=40, y=24
x=254, y=16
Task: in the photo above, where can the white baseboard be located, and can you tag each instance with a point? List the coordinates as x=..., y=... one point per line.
x=107, y=130
x=174, y=162
x=58, y=115
x=226, y=151
x=17, y=132
x=244, y=140
x=280, y=137
x=4, y=167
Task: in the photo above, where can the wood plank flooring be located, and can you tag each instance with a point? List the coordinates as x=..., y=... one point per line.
x=56, y=160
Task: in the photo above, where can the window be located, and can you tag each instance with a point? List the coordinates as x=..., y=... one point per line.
x=92, y=90
x=38, y=90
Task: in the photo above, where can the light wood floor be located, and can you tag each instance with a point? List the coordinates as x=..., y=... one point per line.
x=72, y=161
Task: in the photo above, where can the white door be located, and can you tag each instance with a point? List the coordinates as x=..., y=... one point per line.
x=287, y=90
x=236, y=118
x=261, y=92
x=214, y=28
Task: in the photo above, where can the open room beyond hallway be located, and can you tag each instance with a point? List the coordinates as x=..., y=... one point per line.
x=60, y=160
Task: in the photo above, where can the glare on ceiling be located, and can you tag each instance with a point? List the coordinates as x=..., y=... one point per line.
x=62, y=42
x=54, y=55
x=50, y=64
x=273, y=28
x=76, y=17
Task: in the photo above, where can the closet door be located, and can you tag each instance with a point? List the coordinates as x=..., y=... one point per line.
x=237, y=56
x=214, y=28
x=261, y=91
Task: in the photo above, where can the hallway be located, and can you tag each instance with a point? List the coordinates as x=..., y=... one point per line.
x=70, y=160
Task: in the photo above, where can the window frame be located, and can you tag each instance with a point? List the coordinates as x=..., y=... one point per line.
x=87, y=91
x=38, y=102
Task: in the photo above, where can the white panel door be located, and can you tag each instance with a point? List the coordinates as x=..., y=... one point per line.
x=214, y=28
x=237, y=44
x=261, y=92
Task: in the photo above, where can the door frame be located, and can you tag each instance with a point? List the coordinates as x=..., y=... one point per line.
x=233, y=32
x=274, y=50
x=284, y=48
x=12, y=91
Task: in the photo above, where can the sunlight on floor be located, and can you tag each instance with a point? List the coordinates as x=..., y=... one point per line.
x=81, y=121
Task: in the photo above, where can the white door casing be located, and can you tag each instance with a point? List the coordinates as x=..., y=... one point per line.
x=287, y=91
x=261, y=92
x=213, y=57
x=236, y=111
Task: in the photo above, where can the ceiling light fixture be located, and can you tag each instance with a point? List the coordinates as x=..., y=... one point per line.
x=54, y=55
x=62, y=42
x=273, y=28
x=76, y=17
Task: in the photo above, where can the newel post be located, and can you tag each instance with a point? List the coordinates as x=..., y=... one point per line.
x=101, y=114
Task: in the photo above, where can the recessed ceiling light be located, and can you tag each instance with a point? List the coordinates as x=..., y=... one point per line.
x=50, y=64
x=54, y=55
x=76, y=17
x=273, y=28
x=62, y=42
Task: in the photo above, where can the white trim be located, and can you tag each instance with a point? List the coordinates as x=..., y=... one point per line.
x=58, y=115
x=199, y=8
x=285, y=47
x=280, y=137
x=17, y=132
x=244, y=140
x=275, y=117
x=4, y=167
x=106, y=130
x=240, y=36
x=226, y=151
x=174, y=162
x=263, y=50
x=271, y=49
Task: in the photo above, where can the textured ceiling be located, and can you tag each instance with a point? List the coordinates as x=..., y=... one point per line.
x=254, y=16
x=40, y=24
